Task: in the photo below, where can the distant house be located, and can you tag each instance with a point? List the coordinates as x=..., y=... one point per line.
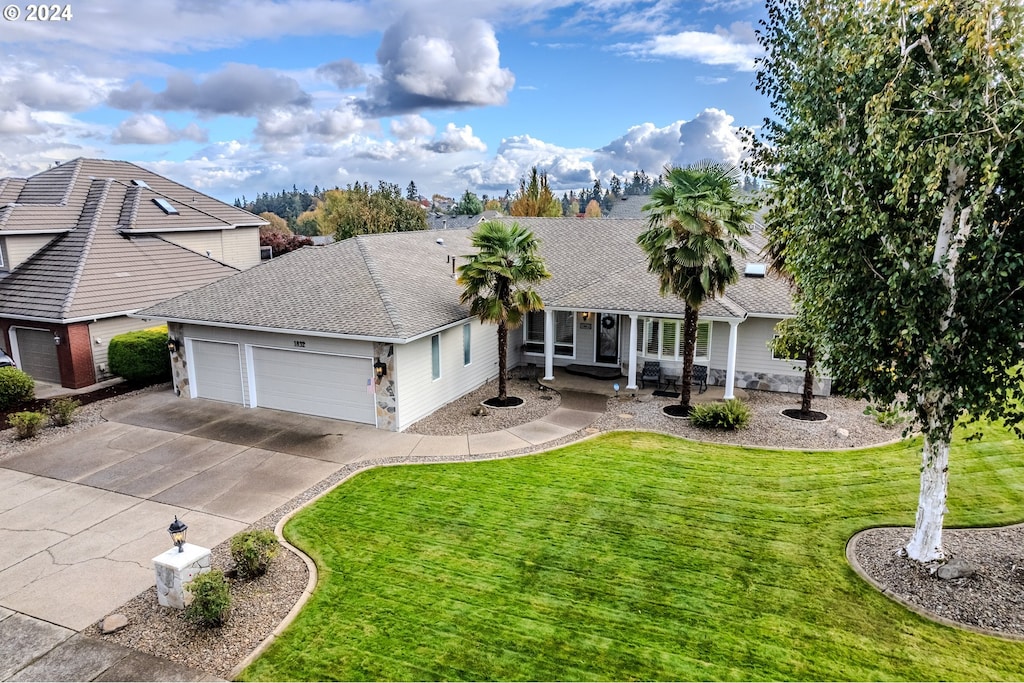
x=87, y=242
x=443, y=221
x=379, y=336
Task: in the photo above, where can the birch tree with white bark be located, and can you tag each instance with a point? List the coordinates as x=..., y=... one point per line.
x=895, y=161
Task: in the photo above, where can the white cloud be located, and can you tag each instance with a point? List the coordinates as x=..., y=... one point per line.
x=62, y=89
x=240, y=89
x=455, y=139
x=411, y=126
x=18, y=121
x=566, y=167
x=427, y=63
x=709, y=135
x=149, y=129
x=736, y=46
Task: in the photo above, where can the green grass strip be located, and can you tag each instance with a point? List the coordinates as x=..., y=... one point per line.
x=633, y=556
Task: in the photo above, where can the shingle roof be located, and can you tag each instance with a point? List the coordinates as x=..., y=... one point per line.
x=93, y=270
x=400, y=285
x=53, y=200
x=102, y=260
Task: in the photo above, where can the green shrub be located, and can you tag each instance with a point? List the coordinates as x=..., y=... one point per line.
x=140, y=356
x=15, y=387
x=887, y=416
x=252, y=552
x=62, y=411
x=26, y=423
x=211, y=599
x=729, y=415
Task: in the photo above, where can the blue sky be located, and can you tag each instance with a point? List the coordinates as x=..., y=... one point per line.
x=245, y=96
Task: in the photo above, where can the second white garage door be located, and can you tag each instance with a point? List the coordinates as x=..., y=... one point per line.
x=313, y=384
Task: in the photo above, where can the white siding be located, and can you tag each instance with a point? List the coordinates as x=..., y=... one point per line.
x=199, y=242
x=239, y=247
x=752, y=352
x=20, y=247
x=345, y=347
x=101, y=331
x=242, y=247
x=418, y=395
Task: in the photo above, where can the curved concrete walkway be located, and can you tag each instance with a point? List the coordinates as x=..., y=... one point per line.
x=81, y=519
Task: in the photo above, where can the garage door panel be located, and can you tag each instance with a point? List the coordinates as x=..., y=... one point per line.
x=218, y=371
x=38, y=354
x=314, y=384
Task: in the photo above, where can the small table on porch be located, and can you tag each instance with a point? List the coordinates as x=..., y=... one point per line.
x=670, y=379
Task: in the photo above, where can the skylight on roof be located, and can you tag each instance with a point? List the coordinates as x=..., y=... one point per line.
x=756, y=270
x=140, y=183
x=166, y=206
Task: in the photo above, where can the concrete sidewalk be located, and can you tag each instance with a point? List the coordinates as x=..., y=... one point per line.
x=81, y=519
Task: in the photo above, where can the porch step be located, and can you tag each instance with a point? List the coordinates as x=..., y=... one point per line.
x=594, y=372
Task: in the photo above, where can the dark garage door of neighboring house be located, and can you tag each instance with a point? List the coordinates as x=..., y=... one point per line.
x=319, y=384
x=37, y=354
x=218, y=371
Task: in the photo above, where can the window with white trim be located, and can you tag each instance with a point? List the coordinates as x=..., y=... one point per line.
x=565, y=333
x=662, y=338
x=435, y=357
x=800, y=357
x=467, y=353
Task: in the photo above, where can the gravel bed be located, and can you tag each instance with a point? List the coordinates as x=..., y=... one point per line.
x=993, y=598
x=458, y=416
x=257, y=607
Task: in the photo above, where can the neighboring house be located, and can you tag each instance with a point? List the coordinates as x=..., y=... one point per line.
x=87, y=242
x=377, y=334
x=443, y=221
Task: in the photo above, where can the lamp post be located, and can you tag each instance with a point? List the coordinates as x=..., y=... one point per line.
x=175, y=569
x=177, y=531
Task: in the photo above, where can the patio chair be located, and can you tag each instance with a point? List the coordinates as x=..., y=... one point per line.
x=651, y=372
x=700, y=377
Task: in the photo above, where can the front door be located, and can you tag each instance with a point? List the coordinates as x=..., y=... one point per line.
x=607, y=339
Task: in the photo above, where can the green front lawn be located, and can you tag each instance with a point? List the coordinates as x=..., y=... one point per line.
x=633, y=556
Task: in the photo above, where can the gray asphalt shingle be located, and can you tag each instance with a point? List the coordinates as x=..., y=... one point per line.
x=401, y=285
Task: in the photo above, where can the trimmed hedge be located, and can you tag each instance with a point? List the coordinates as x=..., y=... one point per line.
x=252, y=552
x=16, y=387
x=141, y=355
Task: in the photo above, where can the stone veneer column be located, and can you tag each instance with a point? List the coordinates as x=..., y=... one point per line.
x=179, y=364
x=384, y=392
x=175, y=570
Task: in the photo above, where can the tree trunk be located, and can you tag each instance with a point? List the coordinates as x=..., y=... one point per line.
x=689, y=343
x=805, y=401
x=926, y=544
x=502, y=361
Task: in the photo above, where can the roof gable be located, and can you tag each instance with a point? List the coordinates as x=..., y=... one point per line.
x=403, y=285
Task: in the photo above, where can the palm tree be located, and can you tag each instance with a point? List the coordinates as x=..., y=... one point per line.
x=694, y=219
x=497, y=281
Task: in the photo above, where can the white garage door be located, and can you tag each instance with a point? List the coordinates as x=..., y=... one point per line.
x=313, y=384
x=37, y=354
x=218, y=371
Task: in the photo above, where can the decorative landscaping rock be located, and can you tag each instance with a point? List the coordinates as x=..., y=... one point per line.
x=956, y=569
x=481, y=411
x=113, y=623
x=843, y=433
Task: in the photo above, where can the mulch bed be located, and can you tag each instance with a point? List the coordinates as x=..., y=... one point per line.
x=811, y=416
x=40, y=404
x=510, y=402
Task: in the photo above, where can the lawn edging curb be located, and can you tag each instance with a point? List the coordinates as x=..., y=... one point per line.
x=851, y=558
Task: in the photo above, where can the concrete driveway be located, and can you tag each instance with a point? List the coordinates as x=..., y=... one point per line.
x=80, y=519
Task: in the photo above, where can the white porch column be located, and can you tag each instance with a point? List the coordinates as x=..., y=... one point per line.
x=549, y=344
x=631, y=379
x=730, y=365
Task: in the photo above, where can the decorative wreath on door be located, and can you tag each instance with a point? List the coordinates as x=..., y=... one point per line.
x=607, y=322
